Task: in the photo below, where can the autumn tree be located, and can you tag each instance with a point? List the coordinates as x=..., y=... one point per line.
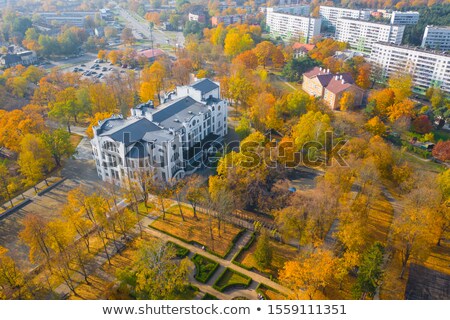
x=309, y=274
x=155, y=273
x=7, y=186
x=422, y=124
x=194, y=194
x=34, y=160
x=401, y=84
x=415, y=228
x=236, y=42
x=243, y=129
x=441, y=151
x=12, y=281
x=99, y=116
x=34, y=235
x=347, y=101
x=102, y=54
x=311, y=127
x=64, y=109
x=127, y=37
x=363, y=77
x=247, y=59
x=402, y=109
x=375, y=126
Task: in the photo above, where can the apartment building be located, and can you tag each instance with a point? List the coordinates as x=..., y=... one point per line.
x=320, y=82
x=330, y=15
x=436, y=37
x=428, y=68
x=71, y=18
x=287, y=26
x=405, y=18
x=227, y=20
x=363, y=34
x=169, y=141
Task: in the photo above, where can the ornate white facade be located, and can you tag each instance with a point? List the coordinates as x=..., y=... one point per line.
x=171, y=140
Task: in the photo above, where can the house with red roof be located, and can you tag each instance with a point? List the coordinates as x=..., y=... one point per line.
x=151, y=54
x=320, y=82
x=302, y=49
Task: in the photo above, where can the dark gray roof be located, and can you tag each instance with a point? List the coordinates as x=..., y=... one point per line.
x=178, y=111
x=204, y=85
x=128, y=131
x=11, y=59
x=137, y=152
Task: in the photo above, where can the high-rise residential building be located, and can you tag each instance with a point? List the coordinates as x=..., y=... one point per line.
x=287, y=26
x=330, y=15
x=169, y=142
x=405, y=17
x=429, y=68
x=436, y=37
x=363, y=34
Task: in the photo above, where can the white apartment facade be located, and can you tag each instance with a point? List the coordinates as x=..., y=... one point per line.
x=405, y=17
x=330, y=15
x=428, y=68
x=436, y=37
x=363, y=34
x=170, y=140
x=71, y=18
x=289, y=26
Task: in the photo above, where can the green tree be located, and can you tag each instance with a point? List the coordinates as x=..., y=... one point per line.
x=155, y=273
x=263, y=252
x=370, y=272
x=58, y=144
x=243, y=129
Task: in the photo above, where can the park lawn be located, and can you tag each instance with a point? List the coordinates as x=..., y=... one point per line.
x=281, y=253
x=380, y=218
x=231, y=278
x=393, y=288
x=75, y=139
x=104, y=277
x=197, y=230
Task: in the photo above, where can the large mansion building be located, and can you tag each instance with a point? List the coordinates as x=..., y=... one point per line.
x=170, y=140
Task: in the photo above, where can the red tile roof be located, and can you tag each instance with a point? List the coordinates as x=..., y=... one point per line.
x=151, y=53
x=332, y=82
x=305, y=46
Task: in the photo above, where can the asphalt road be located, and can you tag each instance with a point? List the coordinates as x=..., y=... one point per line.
x=141, y=27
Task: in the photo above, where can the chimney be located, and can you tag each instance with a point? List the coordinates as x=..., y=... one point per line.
x=337, y=77
x=343, y=81
x=340, y=77
x=328, y=70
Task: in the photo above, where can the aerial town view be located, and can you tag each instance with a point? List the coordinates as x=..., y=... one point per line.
x=225, y=150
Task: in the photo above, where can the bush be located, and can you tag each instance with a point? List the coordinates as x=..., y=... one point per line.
x=204, y=268
x=209, y=296
x=231, y=279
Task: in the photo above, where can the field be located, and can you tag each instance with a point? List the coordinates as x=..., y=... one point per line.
x=197, y=230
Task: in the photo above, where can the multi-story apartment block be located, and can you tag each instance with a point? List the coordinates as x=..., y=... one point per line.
x=436, y=37
x=167, y=140
x=227, y=20
x=428, y=68
x=71, y=18
x=330, y=15
x=320, y=82
x=363, y=34
x=405, y=18
x=289, y=26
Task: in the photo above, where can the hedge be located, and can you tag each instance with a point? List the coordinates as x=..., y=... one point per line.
x=209, y=296
x=261, y=287
x=181, y=251
x=222, y=288
x=204, y=267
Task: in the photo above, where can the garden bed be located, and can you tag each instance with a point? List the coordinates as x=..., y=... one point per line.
x=181, y=252
x=231, y=279
x=204, y=267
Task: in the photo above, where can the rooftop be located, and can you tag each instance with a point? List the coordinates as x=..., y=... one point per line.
x=204, y=85
x=371, y=22
x=419, y=49
x=151, y=53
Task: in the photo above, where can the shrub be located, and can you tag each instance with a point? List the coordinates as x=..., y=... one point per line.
x=181, y=251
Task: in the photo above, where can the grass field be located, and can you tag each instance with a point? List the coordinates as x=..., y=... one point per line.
x=197, y=230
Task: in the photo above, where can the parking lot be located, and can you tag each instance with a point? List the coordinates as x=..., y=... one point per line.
x=99, y=69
